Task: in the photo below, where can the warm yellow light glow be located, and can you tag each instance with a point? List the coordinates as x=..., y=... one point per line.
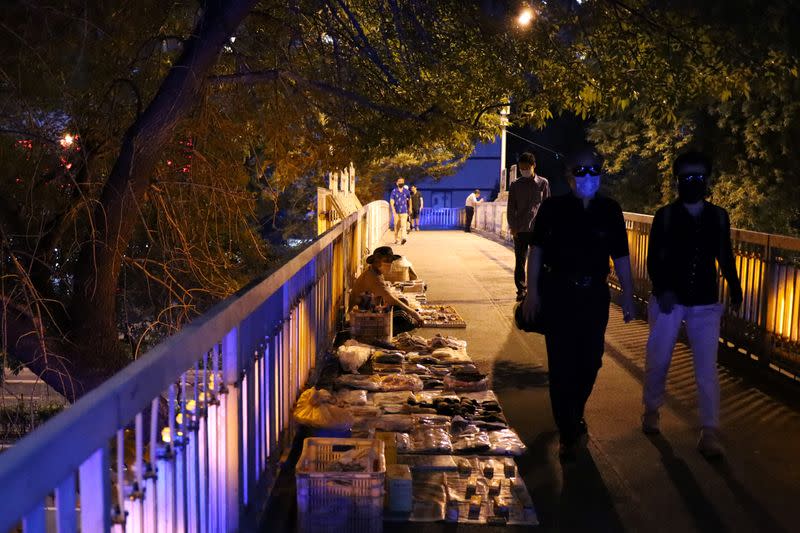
x=165, y=436
x=179, y=418
x=525, y=17
x=191, y=405
x=67, y=140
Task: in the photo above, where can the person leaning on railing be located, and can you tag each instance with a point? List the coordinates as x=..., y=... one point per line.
x=469, y=206
x=688, y=238
x=371, y=280
x=568, y=265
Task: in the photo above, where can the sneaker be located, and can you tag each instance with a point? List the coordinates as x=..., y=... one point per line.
x=403, y=241
x=396, y=242
x=650, y=421
x=709, y=444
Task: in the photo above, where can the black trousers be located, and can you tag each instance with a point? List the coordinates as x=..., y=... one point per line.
x=575, y=323
x=470, y=213
x=522, y=241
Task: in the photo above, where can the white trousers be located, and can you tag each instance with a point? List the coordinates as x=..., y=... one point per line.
x=702, y=328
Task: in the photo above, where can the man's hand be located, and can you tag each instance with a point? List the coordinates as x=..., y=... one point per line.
x=417, y=317
x=628, y=307
x=667, y=301
x=530, y=306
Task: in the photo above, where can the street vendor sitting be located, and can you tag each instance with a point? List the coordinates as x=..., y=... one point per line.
x=371, y=281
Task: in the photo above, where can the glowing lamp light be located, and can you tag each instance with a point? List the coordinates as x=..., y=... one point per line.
x=191, y=406
x=165, y=436
x=179, y=418
x=525, y=17
x=67, y=140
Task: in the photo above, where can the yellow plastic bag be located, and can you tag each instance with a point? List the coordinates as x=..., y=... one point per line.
x=317, y=409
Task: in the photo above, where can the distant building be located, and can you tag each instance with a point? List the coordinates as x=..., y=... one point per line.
x=480, y=171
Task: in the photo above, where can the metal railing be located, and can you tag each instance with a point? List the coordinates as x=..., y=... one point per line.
x=766, y=327
x=225, y=385
x=444, y=218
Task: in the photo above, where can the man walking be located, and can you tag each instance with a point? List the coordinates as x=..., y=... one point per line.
x=525, y=195
x=400, y=200
x=688, y=237
x=469, y=206
x=568, y=266
x=416, y=207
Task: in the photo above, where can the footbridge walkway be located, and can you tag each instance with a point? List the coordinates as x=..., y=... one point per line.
x=122, y=459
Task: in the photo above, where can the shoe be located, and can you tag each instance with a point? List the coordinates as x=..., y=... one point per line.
x=403, y=241
x=521, y=295
x=650, y=420
x=567, y=452
x=709, y=444
x=396, y=242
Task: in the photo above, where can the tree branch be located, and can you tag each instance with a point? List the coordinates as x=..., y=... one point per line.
x=276, y=74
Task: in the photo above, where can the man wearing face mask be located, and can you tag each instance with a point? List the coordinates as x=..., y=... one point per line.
x=525, y=195
x=568, y=265
x=688, y=238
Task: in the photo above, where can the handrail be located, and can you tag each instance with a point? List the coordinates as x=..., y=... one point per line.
x=767, y=325
x=254, y=334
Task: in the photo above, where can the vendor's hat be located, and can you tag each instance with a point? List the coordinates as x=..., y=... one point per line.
x=383, y=253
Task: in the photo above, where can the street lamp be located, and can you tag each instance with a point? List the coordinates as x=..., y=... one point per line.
x=525, y=17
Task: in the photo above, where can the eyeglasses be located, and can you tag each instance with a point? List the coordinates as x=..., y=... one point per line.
x=692, y=177
x=593, y=170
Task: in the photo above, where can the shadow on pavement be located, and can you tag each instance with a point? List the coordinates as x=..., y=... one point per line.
x=700, y=508
x=747, y=502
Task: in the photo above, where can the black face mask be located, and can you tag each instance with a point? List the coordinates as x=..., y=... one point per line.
x=691, y=191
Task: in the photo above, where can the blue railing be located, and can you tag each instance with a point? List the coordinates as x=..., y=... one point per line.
x=198, y=422
x=440, y=218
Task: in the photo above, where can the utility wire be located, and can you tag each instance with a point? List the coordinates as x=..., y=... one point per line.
x=556, y=153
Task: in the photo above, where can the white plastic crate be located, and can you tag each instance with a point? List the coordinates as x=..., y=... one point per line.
x=335, y=502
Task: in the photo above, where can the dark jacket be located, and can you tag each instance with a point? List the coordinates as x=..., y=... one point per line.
x=525, y=195
x=683, y=253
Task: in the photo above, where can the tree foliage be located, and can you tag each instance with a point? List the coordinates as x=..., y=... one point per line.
x=145, y=147
x=657, y=77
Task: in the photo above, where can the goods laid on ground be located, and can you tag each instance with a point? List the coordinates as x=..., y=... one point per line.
x=441, y=316
x=425, y=429
x=442, y=432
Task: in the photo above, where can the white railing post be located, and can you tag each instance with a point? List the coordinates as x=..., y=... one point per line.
x=95, y=487
x=230, y=404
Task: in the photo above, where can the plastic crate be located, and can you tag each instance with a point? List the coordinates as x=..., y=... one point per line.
x=366, y=326
x=335, y=502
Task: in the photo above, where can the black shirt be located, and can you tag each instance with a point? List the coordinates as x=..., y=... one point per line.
x=415, y=201
x=578, y=241
x=683, y=252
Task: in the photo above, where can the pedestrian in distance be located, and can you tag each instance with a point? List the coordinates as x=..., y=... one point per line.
x=688, y=238
x=417, y=203
x=568, y=265
x=469, y=207
x=525, y=195
x=400, y=201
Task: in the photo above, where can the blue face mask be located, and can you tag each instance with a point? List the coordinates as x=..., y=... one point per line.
x=586, y=186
